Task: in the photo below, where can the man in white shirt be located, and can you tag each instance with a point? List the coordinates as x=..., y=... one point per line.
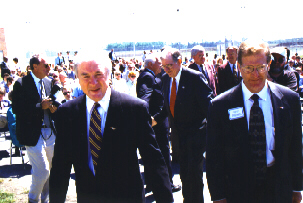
x=34, y=126
x=254, y=140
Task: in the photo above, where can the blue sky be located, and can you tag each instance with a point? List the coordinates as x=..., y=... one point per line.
x=67, y=25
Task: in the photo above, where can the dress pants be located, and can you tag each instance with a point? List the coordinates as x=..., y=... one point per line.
x=161, y=132
x=191, y=167
x=40, y=157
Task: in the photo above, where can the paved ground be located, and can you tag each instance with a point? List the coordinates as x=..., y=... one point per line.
x=17, y=177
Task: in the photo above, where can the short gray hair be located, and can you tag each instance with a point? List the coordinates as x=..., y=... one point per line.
x=196, y=49
x=151, y=58
x=101, y=59
x=175, y=53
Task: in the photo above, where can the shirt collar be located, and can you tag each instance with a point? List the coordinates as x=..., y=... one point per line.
x=178, y=75
x=104, y=102
x=37, y=80
x=263, y=94
x=150, y=71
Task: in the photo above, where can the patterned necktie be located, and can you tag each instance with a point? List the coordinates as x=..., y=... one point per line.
x=204, y=72
x=257, y=139
x=95, y=134
x=173, y=94
x=235, y=73
x=42, y=90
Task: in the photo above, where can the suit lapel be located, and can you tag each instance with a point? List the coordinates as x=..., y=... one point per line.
x=82, y=127
x=279, y=110
x=113, y=115
x=239, y=125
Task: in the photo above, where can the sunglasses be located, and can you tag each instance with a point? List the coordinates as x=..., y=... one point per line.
x=46, y=66
x=55, y=76
x=65, y=93
x=117, y=74
x=133, y=76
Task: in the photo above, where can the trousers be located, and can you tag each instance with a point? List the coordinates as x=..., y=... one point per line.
x=40, y=157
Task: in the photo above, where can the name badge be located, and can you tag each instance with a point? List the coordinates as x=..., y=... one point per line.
x=236, y=113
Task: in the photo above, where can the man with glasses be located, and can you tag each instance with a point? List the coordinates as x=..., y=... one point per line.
x=186, y=99
x=35, y=128
x=277, y=72
x=254, y=136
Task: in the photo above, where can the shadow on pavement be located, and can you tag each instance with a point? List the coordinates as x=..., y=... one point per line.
x=3, y=154
x=15, y=170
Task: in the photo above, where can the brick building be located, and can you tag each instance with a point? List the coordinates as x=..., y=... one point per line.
x=3, y=50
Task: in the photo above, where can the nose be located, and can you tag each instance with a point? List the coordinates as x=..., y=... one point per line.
x=93, y=80
x=255, y=72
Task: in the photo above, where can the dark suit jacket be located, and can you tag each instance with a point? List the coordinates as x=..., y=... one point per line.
x=4, y=69
x=229, y=163
x=117, y=176
x=211, y=75
x=191, y=104
x=149, y=88
x=28, y=115
x=226, y=79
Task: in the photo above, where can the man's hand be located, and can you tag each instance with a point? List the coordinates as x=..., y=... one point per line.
x=296, y=197
x=153, y=122
x=52, y=108
x=221, y=201
x=46, y=103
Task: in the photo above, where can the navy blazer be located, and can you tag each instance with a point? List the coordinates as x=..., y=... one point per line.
x=117, y=176
x=191, y=103
x=226, y=78
x=210, y=73
x=28, y=115
x=229, y=164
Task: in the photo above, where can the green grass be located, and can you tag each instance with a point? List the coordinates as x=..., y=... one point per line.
x=6, y=197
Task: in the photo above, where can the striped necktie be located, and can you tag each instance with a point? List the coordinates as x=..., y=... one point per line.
x=95, y=134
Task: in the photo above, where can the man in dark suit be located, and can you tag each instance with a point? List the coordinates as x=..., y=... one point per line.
x=197, y=53
x=149, y=88
x=34, y=128
x=186, y=98
x=4, y=67
x=99, y=133
x=254, y=137
x=228, y=74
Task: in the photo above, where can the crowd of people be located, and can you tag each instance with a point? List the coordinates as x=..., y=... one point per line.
x=93, y=114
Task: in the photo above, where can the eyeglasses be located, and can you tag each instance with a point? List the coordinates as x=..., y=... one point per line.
x=279, y=60
x=250, y=69
x=168, y=66
x=117, y=74
x=65, y=93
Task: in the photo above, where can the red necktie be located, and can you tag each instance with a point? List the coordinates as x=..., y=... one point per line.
x=173, y=97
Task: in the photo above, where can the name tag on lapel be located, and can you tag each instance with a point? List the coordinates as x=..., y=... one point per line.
x=236, y=113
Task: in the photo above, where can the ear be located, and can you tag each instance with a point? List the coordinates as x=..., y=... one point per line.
x=35, y=66
x=179, y=61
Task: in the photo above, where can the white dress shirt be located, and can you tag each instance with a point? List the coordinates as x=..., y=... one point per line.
x=266, y=106
x=104, y=104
